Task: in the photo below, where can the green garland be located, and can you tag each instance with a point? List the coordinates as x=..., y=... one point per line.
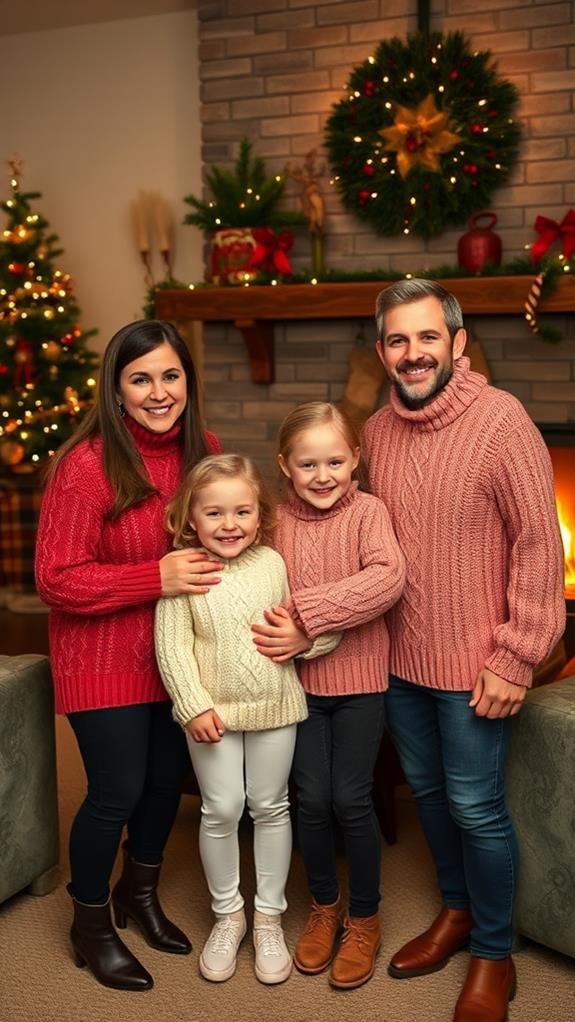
x=444, y=168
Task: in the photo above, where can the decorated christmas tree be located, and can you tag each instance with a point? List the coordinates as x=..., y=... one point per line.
x=46, y=370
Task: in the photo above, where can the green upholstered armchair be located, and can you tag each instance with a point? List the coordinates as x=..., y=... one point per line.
x=28, y=800
x=540, y=789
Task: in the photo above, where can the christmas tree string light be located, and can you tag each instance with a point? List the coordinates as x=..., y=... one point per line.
x=46, y=370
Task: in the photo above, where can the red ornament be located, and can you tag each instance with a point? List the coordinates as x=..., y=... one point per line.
x=67, y=339
x=492, y=113
x=3, y=369
x=470, y=168
x=368, y=169
x=16, y=267
x=363, y=196
x=369, y=88
x=411, y=143
x=454, y=75
x=476, y=129
x=480, y=245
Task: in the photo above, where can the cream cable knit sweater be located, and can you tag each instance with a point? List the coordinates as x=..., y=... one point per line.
x=207, y=657
x=469, y=487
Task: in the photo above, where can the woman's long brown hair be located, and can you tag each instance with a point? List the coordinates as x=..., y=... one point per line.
x=123, y=464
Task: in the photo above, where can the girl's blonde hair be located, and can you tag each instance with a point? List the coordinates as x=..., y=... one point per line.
x=209, y=470
x=318, y=413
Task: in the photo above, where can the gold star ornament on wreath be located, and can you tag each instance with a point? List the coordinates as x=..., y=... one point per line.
x=424, y=135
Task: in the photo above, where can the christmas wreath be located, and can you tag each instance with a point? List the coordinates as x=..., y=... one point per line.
x=424, y=134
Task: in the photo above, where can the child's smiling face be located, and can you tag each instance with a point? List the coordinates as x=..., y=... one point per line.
x=226, y=516
x=320, y=465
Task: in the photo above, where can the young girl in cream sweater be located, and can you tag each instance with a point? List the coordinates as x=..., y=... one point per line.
x=239, y=709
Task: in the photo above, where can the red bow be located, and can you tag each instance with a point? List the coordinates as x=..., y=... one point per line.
x=269, y=254
x=549, y=230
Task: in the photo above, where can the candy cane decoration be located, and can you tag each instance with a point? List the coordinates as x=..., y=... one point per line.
x=533, y=301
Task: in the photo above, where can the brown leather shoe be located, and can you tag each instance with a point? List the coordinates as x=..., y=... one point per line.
x=314, y=950
x=429, y=952
x=354, y=963
x=489, y=987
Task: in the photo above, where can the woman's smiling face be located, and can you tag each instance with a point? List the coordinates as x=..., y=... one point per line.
x=153, y=389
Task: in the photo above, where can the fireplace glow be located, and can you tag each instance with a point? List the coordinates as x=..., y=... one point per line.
x=567, y=528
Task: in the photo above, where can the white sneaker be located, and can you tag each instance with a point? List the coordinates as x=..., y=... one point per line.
x=218, y=959
x=273, y=960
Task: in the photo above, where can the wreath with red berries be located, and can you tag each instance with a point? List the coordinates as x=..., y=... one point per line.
x=424, y=135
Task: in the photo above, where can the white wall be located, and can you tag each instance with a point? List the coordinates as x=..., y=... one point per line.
x=98, y=112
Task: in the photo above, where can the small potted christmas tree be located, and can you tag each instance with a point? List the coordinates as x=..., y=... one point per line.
x=241, y=218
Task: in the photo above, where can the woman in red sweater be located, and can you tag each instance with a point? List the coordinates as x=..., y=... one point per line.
x=102, y=562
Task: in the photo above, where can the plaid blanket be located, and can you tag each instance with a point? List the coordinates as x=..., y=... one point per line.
x=20, y=499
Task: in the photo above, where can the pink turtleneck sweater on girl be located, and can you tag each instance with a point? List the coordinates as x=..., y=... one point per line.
x=101, y=578
x=469, y=486
x=345, y=569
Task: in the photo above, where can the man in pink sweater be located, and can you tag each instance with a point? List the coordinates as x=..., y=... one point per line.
x=468, y=483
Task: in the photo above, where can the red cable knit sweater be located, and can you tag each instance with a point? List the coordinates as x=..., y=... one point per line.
x=101, y=578
x=345, y=569
x=469, y=486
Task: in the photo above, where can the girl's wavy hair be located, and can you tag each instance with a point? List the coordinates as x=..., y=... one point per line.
x=318, y=413
x=123, y=464
x=209, y=470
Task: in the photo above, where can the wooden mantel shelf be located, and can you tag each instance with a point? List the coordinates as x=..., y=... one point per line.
x=253, y=310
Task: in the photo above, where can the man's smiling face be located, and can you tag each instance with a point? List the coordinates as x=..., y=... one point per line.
x=417, y=351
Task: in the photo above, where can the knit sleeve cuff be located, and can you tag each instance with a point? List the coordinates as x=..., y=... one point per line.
x=507, y=665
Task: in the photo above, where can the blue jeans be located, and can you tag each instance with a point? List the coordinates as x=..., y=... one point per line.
x=454, y=763
x=335, y=753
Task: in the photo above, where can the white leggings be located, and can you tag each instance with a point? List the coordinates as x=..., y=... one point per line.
x=264, y=759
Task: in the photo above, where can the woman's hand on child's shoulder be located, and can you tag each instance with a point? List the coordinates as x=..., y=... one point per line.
x=206, y=727
x=188, y=571
x=280, y=639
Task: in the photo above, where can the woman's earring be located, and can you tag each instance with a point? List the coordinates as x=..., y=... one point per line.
x=121, y=408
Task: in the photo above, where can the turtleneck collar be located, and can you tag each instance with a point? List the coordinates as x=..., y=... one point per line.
x=153, y=445
x=455, y=398
x=307, y=512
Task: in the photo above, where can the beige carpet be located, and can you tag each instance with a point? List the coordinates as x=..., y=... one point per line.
x=39, y=983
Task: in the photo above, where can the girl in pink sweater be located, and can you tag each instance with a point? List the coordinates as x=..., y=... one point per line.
x=345, y=569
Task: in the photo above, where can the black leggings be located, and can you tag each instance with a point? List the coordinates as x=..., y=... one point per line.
x=136, y=759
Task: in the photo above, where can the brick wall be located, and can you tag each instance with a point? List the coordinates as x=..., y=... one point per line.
x=270, y=69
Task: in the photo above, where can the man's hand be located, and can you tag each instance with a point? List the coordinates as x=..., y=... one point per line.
x=206, y=727
x=495, y=697
x=280, y=639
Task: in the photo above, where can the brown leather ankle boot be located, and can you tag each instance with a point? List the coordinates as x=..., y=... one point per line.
x=314, y=949
x=489, y=987
x=97, y=945
x=135, y=897
x=429, y=952
x=354, y=963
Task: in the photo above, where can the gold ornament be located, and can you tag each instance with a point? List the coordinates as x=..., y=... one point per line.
x=52, y=350
x=53, y=372
x=11, y=452
x=419, y=136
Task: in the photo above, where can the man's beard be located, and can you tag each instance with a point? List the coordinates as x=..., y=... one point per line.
x=415, y=403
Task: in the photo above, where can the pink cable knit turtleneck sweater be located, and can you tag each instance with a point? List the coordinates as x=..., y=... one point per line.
x=469, y=487
x=345, y=569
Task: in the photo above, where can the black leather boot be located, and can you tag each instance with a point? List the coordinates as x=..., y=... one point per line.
x=97, y=945
x=135, y=897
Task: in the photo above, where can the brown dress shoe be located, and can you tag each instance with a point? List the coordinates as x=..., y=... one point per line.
x=489, y=987
x=314, y=950
x=429, y=952
x=355, y=961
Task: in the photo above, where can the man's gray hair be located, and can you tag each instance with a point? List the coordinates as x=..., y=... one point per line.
x=405, y=291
